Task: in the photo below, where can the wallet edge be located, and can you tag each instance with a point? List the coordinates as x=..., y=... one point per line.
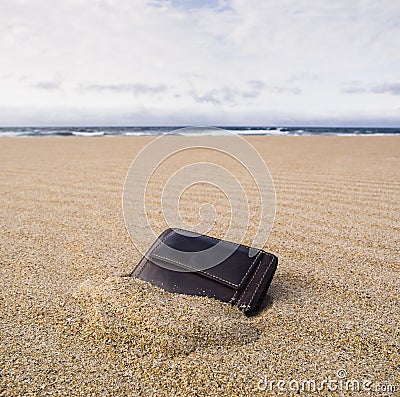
x=258, y=285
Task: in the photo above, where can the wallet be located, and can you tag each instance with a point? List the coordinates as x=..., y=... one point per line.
x=185, y=262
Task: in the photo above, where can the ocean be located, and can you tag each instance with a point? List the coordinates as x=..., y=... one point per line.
x=157, y=131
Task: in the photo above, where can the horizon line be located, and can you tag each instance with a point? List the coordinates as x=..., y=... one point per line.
x=199, y=125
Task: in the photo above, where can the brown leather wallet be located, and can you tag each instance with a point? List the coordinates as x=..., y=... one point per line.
x=185, y=262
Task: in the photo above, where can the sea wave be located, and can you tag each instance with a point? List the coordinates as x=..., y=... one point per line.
x=192, y=131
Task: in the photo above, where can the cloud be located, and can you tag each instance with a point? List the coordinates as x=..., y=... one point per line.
x=305, y=76
x=255, y=87
x=240, y=58
x=190, y=5
x=218, y=96
x=283, y=89
x=124, y=116
x=48, y=85
x=354, y=90
x=137, y=89
x=392, y=89
x=233, y=96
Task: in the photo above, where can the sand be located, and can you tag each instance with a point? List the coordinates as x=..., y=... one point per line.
x=72, y=323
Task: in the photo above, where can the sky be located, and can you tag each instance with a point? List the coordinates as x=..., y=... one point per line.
x=177, y=62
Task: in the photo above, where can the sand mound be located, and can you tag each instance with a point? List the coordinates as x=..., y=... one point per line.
x=122, y=311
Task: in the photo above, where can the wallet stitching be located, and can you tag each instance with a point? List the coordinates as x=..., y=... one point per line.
x=249, y=283
x=202, y=271
x=250, y=267
x=190, y=267
x=233, y=299
x=145, y=259
x=209, y=274
x=261, y=280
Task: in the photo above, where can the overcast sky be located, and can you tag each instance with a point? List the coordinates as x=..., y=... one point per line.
x=174, y=62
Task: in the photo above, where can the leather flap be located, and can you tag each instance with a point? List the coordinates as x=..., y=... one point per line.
x=225, y=262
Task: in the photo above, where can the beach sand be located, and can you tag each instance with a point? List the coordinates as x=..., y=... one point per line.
x=72, y=323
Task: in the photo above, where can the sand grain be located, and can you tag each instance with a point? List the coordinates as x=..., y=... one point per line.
x=72, y=324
